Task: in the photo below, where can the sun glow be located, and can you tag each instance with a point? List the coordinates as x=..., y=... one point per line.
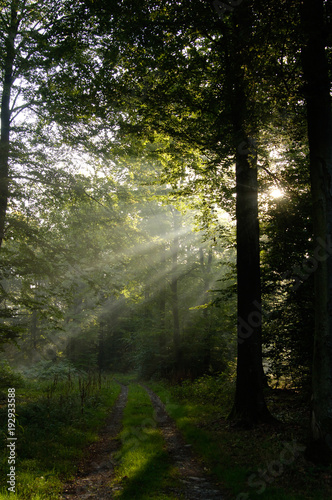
x=276, y=192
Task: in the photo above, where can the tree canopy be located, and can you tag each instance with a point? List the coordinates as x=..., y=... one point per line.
x=161, y=200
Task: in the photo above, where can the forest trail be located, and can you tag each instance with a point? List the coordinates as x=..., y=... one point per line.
x=96, y=469
x=196, y=484
x=94, y=477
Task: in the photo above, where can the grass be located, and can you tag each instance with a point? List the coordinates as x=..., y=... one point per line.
x=56, y=419
x=249, y=464
x=144, y=469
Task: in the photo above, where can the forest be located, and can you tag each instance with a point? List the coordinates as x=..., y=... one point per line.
x=166, y=249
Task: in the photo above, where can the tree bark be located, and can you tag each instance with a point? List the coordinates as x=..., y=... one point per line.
x=8, y=80
x=206, y=272
x=174, y=292
x=319, y=118
x=162, y=305
x=249, y=404
x=34, y=329
x=101, y=359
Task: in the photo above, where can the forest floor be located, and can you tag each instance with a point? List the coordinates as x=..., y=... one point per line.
x=112, y=437
x=144, y=453
x=96, y=469
x=95, y=472
x=196, y=483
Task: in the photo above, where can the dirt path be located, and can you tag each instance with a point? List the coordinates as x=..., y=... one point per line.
x=196, y=484
x=96, y=470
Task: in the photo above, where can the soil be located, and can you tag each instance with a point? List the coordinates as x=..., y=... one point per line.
x=96, y=469
x=196, y=483
x=95, y=472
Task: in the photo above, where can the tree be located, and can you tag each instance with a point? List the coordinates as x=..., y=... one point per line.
x=319, y=117
x=35, y=45
x=7, y=84
x=208, y=60
x=249, y=405
x=174, y=290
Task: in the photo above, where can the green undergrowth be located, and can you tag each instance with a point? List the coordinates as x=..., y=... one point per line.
x=55, y=420
x=264, y=463
x=144, y=470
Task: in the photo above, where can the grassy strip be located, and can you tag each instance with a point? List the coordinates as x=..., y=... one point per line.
x=144, y=469
x=55, y=421
x=254, y=464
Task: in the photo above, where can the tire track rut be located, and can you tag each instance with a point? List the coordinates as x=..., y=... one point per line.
x=95, y=472
x=96, y=469
x=196, y=484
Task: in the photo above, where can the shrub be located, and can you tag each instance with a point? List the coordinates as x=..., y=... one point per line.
x=208, y=389
x=8, y=377
x=48, y=370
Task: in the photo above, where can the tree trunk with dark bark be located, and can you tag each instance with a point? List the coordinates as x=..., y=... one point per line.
x=174, y=293
x=249, y=404
x=5, y=115
x=162, y=306
x=206, y=272
x=319, y=118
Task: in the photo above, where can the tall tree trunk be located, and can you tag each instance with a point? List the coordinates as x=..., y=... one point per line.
x=101, y=357
x=206, y=272
x=319, y=117
x=5, y=115
x=174, y=291
x=162, y=305
x=34, y=330
x=249, y=404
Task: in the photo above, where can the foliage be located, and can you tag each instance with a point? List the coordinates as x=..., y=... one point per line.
x=287, y=307
x=53, y=426
x=217, y=390
x=9, y=377
x=119, y=235
x=242, y=469
x=48, y=370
